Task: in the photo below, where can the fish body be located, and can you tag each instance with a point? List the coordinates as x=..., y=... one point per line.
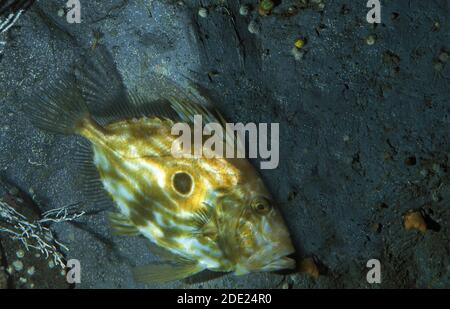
x=140, y=176
x=204, y=213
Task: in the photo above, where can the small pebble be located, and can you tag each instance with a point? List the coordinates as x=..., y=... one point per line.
x=14, y=191
x=51, y=264
x=203, y=12
x=31, y=271
x=20, y=254
x=437, y=169
x=265, y=7
x=18, y=265
x=9, y=270
x=292, y=9
x=244, y=10
x=415, y=221
x=443, y=57
x=321, y=6
x=371, y=39
x=438, y=66
x=436, y=26
x=253, y=27
x=297, y=53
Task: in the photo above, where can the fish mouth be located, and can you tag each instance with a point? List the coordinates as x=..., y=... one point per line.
x=268, y=259
x=279, y=261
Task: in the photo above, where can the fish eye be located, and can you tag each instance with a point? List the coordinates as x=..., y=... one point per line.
x=261, y=206
x=182, y=183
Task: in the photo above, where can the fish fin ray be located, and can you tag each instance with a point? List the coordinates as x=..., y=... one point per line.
x=88, y=176
x=146, y=106
x=204, y=222
x=58, y=108
x=122, y=225
x=194, y=100
x=204, y=276
x=166, y=272
x=185, y=101
x=103, y=87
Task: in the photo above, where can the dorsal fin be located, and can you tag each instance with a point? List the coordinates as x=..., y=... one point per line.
x=102, y=85
x=109, y=100
x=187, y=101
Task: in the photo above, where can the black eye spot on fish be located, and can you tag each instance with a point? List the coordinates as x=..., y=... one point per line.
x=261, y=206
x=182, y=183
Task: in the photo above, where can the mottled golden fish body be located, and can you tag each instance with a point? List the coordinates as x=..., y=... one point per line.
x=137, y=169
x=202, y=213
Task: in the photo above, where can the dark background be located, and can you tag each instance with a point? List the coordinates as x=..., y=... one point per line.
x=364, y=129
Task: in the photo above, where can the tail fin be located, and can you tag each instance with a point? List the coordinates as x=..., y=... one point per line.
x=59, y=108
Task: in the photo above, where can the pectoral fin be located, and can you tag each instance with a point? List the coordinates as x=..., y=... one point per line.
x=122, y=225
x=204, y=222
x=166, y=272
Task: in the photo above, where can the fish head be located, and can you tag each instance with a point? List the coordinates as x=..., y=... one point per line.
x=256, y=236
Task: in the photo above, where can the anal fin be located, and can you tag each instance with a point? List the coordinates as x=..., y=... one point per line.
x=204, y=276
x=166, y=272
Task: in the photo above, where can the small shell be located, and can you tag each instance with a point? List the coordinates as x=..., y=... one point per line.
x=253, y=27
x=371, y=39
x=18, y=265
x=244, y=10
x=443, y=57
x=31, y=271
x=20, y=254
x=203, y=12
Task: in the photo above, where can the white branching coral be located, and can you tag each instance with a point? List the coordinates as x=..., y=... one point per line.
x=37, y=235
x=9, y=21
x=10, y=11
